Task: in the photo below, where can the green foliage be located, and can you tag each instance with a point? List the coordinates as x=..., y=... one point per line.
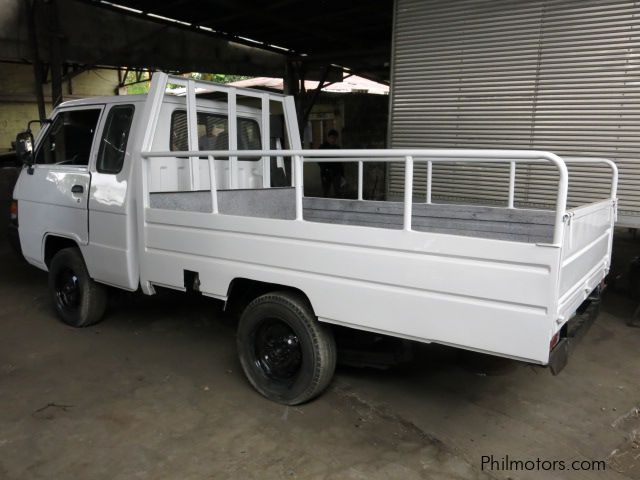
x=143, y=86
x=218, y=77
x=137, y=88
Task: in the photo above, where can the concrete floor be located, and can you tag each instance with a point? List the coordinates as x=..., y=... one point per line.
x=156, y=392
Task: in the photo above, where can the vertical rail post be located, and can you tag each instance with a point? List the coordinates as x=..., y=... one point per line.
x=429, y=175
x=408, y=192
x=151, y=112
x=212, y=183
x=614, y=192
x=297, y=166
x=512, y=184
x=232, y=129
x=292, y=134
x=561, y=198
x=192, y=136
x=266, y=141
x=614, y=179
x=145, y=166
x=360, y=178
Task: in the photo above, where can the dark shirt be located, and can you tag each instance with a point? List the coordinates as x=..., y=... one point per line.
x=335, y=168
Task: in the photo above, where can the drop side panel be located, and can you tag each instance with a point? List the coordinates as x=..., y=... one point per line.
x=488, y=295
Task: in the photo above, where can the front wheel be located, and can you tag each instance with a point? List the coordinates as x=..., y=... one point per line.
x=286, y=354
x=78, y=299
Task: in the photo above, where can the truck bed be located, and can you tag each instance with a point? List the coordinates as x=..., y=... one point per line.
x=520, y=225
x=502, y=281
x=491, y=283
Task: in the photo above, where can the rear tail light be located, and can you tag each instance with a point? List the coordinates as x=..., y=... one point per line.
x=554, y=340
x=13, y=211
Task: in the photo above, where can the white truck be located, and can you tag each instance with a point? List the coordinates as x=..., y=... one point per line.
x=202, y=192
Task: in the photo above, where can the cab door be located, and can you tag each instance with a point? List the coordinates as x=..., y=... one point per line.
x=110, y=255
x=52, y=194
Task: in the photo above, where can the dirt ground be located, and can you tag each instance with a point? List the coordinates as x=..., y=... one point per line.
x=156, y=392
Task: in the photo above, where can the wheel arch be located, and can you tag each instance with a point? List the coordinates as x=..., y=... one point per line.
x=53, y=243
x=242, y=291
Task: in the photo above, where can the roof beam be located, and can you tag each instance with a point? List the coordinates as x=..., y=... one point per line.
x=106, y=37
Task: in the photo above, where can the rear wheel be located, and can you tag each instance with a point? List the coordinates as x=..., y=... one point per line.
x=78, y=299
x=286, y=354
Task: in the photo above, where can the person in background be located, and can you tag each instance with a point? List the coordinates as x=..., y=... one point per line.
x=332, y=173
x=208, y=140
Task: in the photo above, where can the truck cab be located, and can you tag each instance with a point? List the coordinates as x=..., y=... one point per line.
x=77, y=191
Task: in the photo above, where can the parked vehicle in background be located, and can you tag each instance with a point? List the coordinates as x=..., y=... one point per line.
x=118, y=191
x=9, y=159
x=13, y=235
x=9, y=170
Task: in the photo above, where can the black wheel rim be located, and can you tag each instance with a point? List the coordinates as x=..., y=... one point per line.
x=278, y=354
x=67, y=286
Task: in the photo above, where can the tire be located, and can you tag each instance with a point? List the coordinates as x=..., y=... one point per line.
x=79, y=300
x=287, y=355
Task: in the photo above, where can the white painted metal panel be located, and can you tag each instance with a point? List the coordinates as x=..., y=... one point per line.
x=586, y=253
x=47, y=206
x=559, y=76
x=110, y=255
x=431, y=287
x=47, y=203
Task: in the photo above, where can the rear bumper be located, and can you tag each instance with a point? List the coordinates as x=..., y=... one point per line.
x=574, y=330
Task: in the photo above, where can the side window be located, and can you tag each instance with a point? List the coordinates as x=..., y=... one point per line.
x=213, y=133
x=178, y=140
x=114, y=139
x=248, y=134
x=68, y=139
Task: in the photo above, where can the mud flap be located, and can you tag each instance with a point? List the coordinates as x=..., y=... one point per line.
x=576, y=328
x=559, y=356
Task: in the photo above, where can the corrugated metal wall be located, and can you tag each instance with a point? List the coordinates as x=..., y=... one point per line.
x=562, y=76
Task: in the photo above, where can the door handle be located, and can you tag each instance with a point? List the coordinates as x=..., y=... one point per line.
x=77, y=189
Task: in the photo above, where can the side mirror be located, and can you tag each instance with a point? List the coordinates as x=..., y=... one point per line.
x=24, y=147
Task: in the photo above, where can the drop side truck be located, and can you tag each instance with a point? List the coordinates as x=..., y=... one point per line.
x=203, y=191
